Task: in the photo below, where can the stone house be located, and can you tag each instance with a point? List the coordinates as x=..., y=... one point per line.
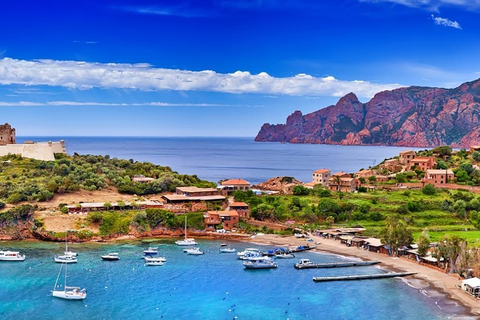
x=321, y=176
x=438, y=177
x=228, y=219
x=424, y=163
x=406, y=157
x=242, y=209
x=343, y=184
x=228, y=187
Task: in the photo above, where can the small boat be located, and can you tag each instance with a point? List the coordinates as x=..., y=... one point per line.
x=260, y=263
x=186, y=241
x=65, y=259
x=155, y=259
x=151, y=251
x=154, y=263
x=70, y=253
x=68, y=293
x=251, y=255
x=227, y=250
x=285, y=256
x=113, y=256
x=11, y=256
x=299, y=235
x=242, y=253
x=194, y=251
x=305, y=263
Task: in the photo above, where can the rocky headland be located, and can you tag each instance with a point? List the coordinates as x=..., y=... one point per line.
x=410, y=116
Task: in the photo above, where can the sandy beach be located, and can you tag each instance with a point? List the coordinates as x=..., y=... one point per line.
x=425, y=277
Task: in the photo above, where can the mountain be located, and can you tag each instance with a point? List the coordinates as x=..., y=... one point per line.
x=410, y=116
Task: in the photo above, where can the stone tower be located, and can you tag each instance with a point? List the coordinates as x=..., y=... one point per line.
x=7, y=134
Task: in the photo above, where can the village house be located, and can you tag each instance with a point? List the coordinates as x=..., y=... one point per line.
x=228, y=187
x=228, y=219
x=471, y=286
x=242, y=209
x=193, y=194
x=438, y=177
x=321, y=177
x=142, y=179
x=392, y=165
x=424, y=163
x=105, y=206
x=343, y=182
x=406, y=157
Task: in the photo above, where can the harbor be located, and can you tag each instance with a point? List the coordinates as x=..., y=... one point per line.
x=364, y=276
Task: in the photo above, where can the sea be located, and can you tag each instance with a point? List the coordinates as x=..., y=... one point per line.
x=211, y=286
x=214, y=285
x=217, y=159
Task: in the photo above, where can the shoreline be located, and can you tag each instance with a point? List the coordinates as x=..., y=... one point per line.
x=443, y=283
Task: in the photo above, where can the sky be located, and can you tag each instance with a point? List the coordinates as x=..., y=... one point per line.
x=218, y=67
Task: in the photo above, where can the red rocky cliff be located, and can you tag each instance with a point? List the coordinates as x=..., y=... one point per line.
x=413, y=116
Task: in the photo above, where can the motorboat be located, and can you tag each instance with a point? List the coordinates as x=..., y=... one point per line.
x=11, y=256
x=70, y=253
x=68, y=293
x=151, y=251
x=242, y=253
x=251, y=255
x=153, y=259
x=300, y=235
x=65, y=259
x=112, y=256
x=186, y=241
x=154, y=263
x=194, y=251
x=304, y=263
x=260, y=263
x=227, y=250
x=285, y=256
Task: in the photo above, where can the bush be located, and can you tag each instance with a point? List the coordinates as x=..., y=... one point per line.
x=429, y=190
x=95, y=217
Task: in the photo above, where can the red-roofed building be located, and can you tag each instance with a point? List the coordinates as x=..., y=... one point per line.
x=228, y=219
x=228, y=187
x=424, y=163
x=321, y=177
x=242, y=209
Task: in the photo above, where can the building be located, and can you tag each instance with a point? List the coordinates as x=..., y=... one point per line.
x=228, y=187
x=424, y=163
x=406, y=157
x=392, y=165
x=141, y=179
x=7, y=134
x=471, y=286
x=35, y=150
x=438, y=177
x=228, y=219
x=193, y=194
x=343, y=183
x=101, y=206
x=474, y=148
x=321, y=177
x=196, y=192
x=242, y=209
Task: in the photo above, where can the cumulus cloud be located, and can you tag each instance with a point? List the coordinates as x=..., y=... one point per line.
x=446, y=22
x=113, y=104
x=86, y=75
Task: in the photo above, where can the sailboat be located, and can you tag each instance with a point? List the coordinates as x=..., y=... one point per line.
x=186, y=241
x=68, y=257
x=68, y=293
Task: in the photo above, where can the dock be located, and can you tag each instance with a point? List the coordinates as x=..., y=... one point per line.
x=336, y=264
x=364, y=276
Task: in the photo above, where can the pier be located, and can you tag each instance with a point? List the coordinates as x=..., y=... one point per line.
x=364, y=276
x=312, y=265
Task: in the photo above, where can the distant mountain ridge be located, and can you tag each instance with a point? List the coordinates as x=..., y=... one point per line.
x=410, y=116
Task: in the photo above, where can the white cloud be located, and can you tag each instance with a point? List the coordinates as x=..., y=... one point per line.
x=86, y=75
x=446, y=22
x=108, y=104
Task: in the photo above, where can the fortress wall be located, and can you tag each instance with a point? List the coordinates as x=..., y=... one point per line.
x=41, y=151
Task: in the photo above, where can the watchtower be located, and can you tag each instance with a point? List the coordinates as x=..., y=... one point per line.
x=7, y=134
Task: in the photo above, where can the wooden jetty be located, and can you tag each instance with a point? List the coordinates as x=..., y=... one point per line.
x=364, y=276
x=312, y=265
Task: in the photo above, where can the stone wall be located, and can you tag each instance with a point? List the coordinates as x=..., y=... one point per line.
x=41, y=150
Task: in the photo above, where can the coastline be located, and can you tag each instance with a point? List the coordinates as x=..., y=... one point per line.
x=425, y=277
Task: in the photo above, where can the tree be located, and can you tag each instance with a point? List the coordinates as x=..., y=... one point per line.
x=372, y=179
x=300, y=191
x=423, y=243
x=329, y=221
x=429, y=190
x=476, y=156
x=401, y=178
x=442, y=165
x=449, y=249
x=396, y=234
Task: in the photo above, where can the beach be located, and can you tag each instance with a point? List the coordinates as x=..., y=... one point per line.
x=425, y=277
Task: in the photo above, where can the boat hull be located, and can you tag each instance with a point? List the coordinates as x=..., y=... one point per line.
x=69, y=295
x=66, y=260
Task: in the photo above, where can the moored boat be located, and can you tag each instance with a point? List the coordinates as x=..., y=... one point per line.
x=227, y=250
x=11, y=256
x=65, y=259
x=249, y=250
x=68, y=293
x=186, y=241
x=285, y=256
x=260, y=263
x=151, y=251
x=194, y=251
x=155, y=259
x=112, y=256
x=154, y=263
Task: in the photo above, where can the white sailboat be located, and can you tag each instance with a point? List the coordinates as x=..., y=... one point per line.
x=186, y=241
x=68, y=293
x=68, y=256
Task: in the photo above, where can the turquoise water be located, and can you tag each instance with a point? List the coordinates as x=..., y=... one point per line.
x=212, y=286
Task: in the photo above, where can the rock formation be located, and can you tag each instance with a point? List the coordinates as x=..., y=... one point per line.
x=412, y=116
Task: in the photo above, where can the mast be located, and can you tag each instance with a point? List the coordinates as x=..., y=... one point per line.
x=65, y=285
x=58, y=276
x=66, y=241
x=185, y=227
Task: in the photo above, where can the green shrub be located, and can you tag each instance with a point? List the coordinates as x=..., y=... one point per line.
x=429, y=190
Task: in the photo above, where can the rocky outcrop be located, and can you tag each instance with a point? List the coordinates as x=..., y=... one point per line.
x=281, y=184
x=413, y=116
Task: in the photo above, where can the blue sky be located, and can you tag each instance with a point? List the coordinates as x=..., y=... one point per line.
x=218, y=67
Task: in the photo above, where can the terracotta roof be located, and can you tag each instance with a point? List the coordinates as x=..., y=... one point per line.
x=231, y=213
x=321, y=171
x=407, y=151
x=195, y=189
x=422, y=159
x=238, y=204
x=341, y=173
x=235, y=182
x=439, y=171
